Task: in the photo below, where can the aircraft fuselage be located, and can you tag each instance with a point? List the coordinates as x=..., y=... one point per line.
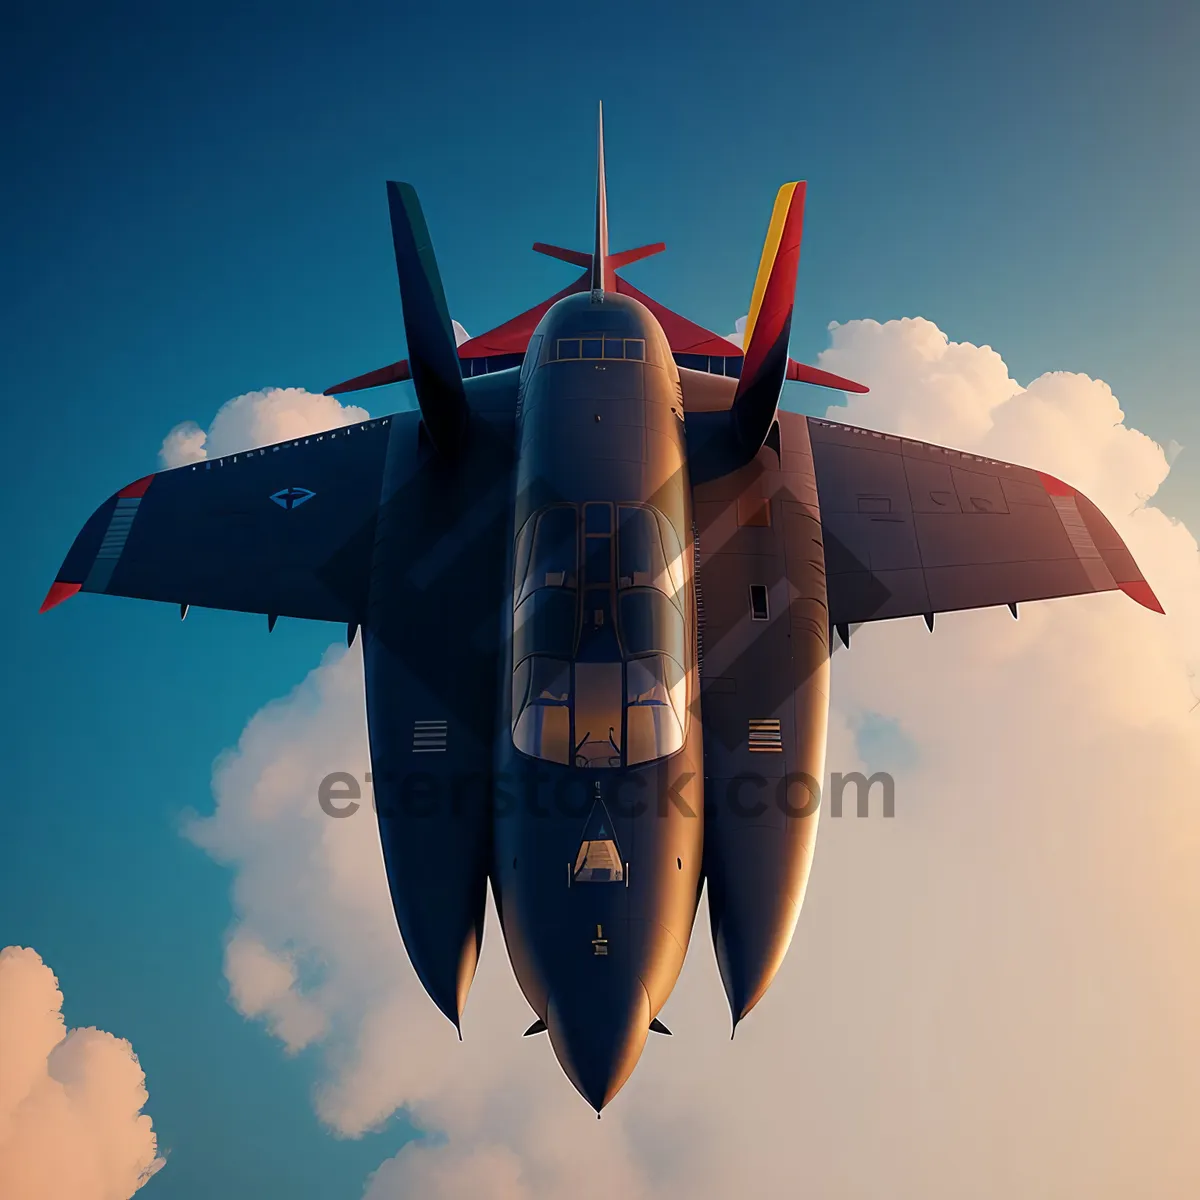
x=598, y=845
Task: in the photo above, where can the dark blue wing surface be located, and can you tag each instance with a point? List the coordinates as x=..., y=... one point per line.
x=286, y=530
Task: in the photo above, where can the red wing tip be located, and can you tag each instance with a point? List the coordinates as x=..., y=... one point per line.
x=1055, y=487
x=59, y=591
x=1140, y=590
x=136, y=489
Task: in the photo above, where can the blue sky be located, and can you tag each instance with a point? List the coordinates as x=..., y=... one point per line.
x=194, y=208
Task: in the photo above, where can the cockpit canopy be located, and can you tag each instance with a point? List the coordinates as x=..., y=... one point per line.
x=600, y=635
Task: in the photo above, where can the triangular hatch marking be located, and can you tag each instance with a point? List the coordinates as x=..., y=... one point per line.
x=599, y=857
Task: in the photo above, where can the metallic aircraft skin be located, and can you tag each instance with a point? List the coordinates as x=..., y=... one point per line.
x=597, y=573
x=597, y=959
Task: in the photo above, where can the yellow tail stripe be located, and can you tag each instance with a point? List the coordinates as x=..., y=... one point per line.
x=783, y=201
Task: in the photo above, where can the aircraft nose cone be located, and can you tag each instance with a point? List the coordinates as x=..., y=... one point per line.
x=598, y=1036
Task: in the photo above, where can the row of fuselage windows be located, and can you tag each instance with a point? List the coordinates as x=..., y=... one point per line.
x=713, y=364
x=493, y=362
x=571, y=349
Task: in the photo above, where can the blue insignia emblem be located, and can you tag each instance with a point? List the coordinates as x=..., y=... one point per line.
x=291, y=497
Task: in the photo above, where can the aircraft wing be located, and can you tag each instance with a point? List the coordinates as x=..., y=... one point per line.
x=915, y=529
x=286, y=530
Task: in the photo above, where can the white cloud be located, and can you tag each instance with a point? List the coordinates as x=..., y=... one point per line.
x=257, y=419
x=439, y=1173
x=739, y=331
x=71, y=1123
x=460, y=334
x=990, y=995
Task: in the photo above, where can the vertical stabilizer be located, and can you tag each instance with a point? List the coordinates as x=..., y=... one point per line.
x=769, y=324
x=602, y=275
x=432, y=354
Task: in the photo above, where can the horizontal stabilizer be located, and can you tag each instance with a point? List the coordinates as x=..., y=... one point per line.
x=802, y=373
x=396, y=372
x=578, y=258
x=513, y=336
x=624, y=257
x=683, y=336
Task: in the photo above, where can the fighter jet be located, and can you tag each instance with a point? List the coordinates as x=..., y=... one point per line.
x=597, y=571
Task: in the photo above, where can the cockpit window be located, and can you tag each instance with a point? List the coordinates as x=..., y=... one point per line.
x=649, y=551
x=546, y=551
x=650, y=622
x=542, y=696
x=599, y=346
x=598, y=655
x=656, y=702
x=544, y=623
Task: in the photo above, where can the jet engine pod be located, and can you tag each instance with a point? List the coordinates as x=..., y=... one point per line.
x=759, y=837
x=431, y=780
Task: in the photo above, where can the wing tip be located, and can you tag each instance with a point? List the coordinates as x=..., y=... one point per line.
x=60, y=590
x=1141, y=591
x=1055, y=486
x=137, y=489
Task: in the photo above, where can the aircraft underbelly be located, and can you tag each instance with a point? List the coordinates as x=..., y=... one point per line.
x=597, y=857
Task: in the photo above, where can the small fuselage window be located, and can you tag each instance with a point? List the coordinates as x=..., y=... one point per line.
x=599, y=656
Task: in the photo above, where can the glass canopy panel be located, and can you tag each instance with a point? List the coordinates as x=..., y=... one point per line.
x=598, y=714
x=589, y=690
x=552, y=560
x=640, y=550
x=653, y=733
x=545, y=624
x=650, y=623
x=544, y=731
x=656, y=694
x=542, y=698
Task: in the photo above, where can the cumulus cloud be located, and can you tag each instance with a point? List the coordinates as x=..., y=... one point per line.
x=71, y=1120
x=257, y=419
x=990, y=994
